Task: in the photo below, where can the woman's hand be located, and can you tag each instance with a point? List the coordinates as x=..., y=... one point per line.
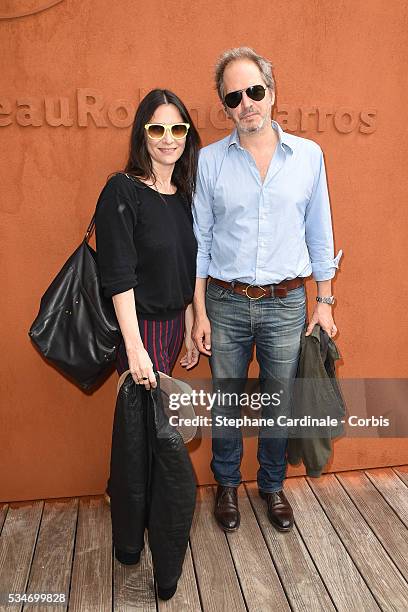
x=141, y=367
x=192, y=355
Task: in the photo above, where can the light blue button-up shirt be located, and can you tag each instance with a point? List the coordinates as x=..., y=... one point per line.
x=263, y=232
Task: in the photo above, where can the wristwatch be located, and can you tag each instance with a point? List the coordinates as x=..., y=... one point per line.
x=326, y=300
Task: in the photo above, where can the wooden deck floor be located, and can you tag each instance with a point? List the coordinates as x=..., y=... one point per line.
x=348, y=551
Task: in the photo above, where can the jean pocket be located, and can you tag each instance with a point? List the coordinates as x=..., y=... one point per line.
x=294, y=299
x=216, y=292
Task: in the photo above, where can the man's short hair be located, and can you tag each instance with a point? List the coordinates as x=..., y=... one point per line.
x=239, y=53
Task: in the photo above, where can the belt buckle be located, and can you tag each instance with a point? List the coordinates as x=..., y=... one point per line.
x=254, y=298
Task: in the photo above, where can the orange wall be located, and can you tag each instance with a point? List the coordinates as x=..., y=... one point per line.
x=338, y=57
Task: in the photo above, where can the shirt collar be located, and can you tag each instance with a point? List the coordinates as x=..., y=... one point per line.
x=283, y=137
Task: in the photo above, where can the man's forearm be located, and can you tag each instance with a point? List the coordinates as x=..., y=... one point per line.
x=322, y=313
x=199, y=297
x=324, y=288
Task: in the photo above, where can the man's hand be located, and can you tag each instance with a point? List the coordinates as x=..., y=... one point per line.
x=322, y=315
x=201, y=334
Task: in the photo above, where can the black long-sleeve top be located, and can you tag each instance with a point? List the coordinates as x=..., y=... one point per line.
x=145, y=241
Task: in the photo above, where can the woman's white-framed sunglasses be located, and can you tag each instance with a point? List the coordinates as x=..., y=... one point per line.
x=156, y=131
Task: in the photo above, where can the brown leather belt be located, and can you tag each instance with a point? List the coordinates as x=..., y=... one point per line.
x=255, y=292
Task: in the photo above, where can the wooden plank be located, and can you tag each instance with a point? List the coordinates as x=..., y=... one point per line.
x=341, y=577
x=91, y=586
x=3, y=513
x=391, y=592
x=259, y=580
x=393, y=489
x=133, y=585
x=402, y=472
x=300, y=579
x=186, y=598
x=52, y=562
x=382, y=519
x=217, y=580
x=17, y=544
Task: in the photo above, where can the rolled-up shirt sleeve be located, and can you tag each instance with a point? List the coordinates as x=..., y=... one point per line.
x=318, y=227
x=203, y=218
x=115, y=221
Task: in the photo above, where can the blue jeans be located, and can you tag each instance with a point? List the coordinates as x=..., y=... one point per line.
x=274, y=326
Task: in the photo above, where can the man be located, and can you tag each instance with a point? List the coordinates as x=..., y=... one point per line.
x=262, y=221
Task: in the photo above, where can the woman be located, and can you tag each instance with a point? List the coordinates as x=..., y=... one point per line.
x=145, y=242
x=146, y=246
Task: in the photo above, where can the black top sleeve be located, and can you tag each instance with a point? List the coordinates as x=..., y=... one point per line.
x=115, y=222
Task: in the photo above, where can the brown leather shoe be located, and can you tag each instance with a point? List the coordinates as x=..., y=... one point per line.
x=226, y=508
x=280, y=512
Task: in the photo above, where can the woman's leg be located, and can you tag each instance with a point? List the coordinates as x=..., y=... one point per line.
x=175, y=337
x=162, y=340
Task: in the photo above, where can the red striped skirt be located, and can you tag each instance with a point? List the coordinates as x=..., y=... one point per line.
x=161, y=339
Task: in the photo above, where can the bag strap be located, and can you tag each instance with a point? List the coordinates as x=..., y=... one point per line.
x=90, y=229
x=91, y=226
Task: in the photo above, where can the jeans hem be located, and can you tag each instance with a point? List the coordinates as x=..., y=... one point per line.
x=270, y=491
x=228, y=484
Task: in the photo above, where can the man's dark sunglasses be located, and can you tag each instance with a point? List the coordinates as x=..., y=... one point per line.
x=255, y=92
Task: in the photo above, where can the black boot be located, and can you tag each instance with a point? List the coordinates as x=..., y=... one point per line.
x=166, y=593
x=127, y=558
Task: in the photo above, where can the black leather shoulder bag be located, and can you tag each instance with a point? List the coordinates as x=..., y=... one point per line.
x=76, y=327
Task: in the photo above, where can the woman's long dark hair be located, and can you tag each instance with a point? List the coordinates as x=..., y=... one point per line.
x=140, y=164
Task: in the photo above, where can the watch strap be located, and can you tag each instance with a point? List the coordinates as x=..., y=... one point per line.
x=325, y=300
